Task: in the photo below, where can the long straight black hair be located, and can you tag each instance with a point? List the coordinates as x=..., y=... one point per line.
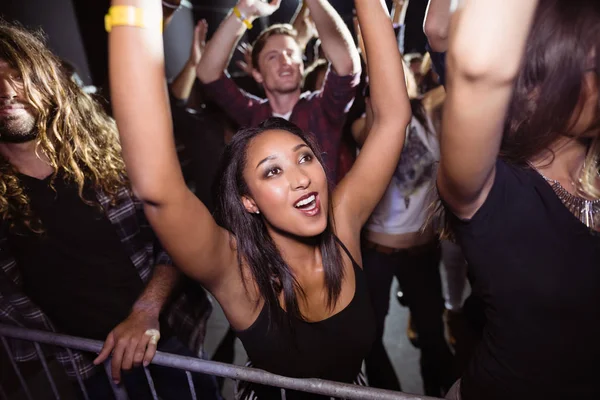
x=255, y=247
x=563, y=46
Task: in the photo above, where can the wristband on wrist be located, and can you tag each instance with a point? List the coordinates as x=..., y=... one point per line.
x=242, y=17
x=130, y=16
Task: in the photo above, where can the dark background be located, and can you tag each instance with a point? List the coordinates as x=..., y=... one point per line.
x=75, y=28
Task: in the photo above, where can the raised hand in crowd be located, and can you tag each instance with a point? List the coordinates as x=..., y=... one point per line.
x=199, y=42
x=246, y=64
x=182, y=85
x=304, y=25
x=218, y=49
x=252, y=9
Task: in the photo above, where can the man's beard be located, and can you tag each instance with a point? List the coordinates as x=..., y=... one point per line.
x=17, y=129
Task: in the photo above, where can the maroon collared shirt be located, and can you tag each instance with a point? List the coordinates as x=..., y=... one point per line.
x=321, y=113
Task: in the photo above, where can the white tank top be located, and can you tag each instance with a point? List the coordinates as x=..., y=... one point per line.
x=405, y=204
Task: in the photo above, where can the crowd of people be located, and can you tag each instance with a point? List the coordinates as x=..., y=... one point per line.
x=343, y=164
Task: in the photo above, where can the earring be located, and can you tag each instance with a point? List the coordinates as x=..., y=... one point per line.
x=257, y=212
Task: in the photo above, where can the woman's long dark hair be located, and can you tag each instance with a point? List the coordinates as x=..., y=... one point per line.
x=564, y=45
x=255, y=247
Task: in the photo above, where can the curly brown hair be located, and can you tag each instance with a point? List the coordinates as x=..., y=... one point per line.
x=73, y=131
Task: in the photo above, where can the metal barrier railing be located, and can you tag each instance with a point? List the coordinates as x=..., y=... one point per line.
x=188, y=364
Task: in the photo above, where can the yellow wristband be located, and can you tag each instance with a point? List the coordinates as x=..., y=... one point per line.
x=242, y=17
x=130, y=16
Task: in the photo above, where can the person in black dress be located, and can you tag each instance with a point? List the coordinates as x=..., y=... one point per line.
x=284, y=261
x=519, y=178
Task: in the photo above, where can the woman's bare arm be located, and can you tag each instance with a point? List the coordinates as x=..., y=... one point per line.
x=359, y=192
x=141, y=108
x=481, y=75
x=436, y=24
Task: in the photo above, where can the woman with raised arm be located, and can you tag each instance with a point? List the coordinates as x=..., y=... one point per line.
x=519, y=178
x=283, y=260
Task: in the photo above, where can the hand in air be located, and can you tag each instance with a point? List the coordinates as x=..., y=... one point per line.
x=258, y=8
x=246, y=64
x=132, y=342
x=305, y=26
x=199, y=42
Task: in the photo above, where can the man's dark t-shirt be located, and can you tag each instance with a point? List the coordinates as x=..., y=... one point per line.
x=76, y=271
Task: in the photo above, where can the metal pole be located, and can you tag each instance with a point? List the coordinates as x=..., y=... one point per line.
x=77, y=374
x=317, y=386
x=191, y=384
x=42, y=358
x=118, y=390
x=16, y=368
x=150, y=383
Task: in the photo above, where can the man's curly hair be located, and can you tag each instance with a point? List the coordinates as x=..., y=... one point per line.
x=74, y=132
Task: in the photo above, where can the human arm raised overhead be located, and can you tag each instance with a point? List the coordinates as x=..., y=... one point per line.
x=335, y=36
x=481, y=77
x=183, y=224
x=220, y=46
x=359, y=192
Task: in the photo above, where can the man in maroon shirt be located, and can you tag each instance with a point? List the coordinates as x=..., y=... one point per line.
x=278, y=68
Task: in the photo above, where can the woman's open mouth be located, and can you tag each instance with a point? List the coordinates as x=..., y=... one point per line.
x=309, y=204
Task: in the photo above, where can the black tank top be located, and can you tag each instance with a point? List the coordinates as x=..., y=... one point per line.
x=535, y=266
x=331, y=349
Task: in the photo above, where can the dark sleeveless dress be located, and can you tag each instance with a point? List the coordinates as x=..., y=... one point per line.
x=332, y=349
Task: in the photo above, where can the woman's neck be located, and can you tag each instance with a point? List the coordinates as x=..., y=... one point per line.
x=300, y=254
x=563, y=162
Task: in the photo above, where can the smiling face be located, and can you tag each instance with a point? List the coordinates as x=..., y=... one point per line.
x=17, y=121
x=286, y=184
x=280, y=67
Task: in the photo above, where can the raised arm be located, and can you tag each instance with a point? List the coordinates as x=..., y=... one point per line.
x=303, y=24
x=141, y=108
x=359, y=192
x=335, y=36
x=218, y=50
x=437, y=24
x=182, y=85
x=399, y=8
x=481, y=78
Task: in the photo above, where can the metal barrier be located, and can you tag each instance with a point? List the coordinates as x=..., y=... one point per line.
x=189, y=364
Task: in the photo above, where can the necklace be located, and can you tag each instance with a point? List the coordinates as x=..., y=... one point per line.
x=587, y=211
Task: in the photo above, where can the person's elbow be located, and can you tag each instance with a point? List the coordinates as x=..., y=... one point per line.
x=480, y=65
x=437, y=35
x=393, y=115
x=152, y=190
x=148, y=194
x=347, y=63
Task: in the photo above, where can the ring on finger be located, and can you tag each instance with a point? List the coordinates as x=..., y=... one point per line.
x=154, y=335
